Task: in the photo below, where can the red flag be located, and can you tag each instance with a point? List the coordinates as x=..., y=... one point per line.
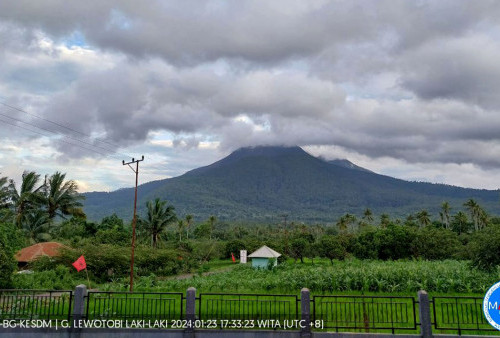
x=80, y=264
x=232, y=257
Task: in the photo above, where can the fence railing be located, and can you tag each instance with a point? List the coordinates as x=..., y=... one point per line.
x=343, y=313
x=459, y=314
x=248, y=306
x=35, y=304
x=366, y=313
x=137, y=305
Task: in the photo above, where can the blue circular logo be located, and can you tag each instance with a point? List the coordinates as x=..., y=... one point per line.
x=491, y=306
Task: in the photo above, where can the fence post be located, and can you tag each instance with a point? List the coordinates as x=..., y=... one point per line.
x=305, y=310
x=424, y=310
x=79, y=303
x=190, y=312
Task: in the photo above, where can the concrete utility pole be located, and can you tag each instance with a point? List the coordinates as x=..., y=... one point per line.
x=136, y=171
x=285, y=216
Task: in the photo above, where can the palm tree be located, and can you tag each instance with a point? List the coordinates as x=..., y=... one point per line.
x=35, y=225
x=62, y=198
x=410, y=220
x=445, y=214
x=475, y=212
x=459, y=222
x=483, y=218
x=189, y=220
x=368, y=216
x=384, y=220
x=351, y=221
x=423, y=218
x=4, y=193
x=211, y=220
x=158, y=217
x=28, y=197
x=180, y=226
x=342, y=223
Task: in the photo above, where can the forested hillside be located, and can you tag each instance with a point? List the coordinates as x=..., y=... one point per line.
x=262, y=183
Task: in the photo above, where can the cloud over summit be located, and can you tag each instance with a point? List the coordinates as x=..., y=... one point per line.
x=411, y=81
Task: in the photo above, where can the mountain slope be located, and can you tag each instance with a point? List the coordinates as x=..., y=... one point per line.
x=262, y=183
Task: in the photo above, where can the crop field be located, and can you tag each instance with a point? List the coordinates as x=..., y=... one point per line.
x=352, y=295
x=352, y=276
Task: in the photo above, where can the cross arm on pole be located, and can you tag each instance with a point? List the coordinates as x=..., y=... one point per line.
x=136, y=171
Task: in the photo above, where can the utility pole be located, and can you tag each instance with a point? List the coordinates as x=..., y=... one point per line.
x=285, y=216
x=136, y=171
x=285, y=230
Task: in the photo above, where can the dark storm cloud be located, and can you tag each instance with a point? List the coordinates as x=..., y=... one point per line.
x=127, y=102
x=460, y=68
x=412, y=80
x=188, y=32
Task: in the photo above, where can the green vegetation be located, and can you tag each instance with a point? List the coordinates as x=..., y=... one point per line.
x=359, y=254
x=454, y=254
x=259, y=184
x=6, y=262
x=403, y=277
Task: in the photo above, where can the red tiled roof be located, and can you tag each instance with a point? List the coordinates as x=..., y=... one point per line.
x=31, y=253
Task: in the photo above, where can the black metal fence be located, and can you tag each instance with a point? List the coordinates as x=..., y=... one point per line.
x=459, y=314
x=346, y=313
x=137, y=305
x=366, y=313
x=35, y=304
x=219, y=306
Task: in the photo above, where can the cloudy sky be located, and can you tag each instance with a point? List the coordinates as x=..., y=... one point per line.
x=404, y=88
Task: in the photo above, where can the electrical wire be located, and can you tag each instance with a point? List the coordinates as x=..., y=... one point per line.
x=55, y=133
x=63, y=134
x=34, y=131
x=53, y=122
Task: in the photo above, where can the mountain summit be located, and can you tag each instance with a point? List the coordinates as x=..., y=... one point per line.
x=261, y=183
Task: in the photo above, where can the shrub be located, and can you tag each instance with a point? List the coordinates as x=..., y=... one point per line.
x=206, y=250
x=103, y=261
x=111, y=222
x=234, y=247
x=7, y=267
x=484, y=248
x=158, y=261
x=332, y=248
x=298, y=249
x=113, y=236
x=7, y=263
x=43, y=263
x=394, y=242
x=58, y=279
x=364, y=247
x=434, y=244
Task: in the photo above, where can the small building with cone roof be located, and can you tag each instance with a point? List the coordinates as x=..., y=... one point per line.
x=262, y=256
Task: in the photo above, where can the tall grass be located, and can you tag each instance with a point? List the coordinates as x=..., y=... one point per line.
x=355, y=275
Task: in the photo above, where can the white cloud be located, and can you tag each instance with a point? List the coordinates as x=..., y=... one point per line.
x=403, y=88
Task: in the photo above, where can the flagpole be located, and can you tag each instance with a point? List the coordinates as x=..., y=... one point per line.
x=88, y=279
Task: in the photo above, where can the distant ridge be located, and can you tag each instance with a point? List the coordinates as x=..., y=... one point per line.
x=260, y=183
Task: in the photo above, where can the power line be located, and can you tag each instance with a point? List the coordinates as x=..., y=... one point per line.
x=77, y=145
x=66, y=136
x=55, y=123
